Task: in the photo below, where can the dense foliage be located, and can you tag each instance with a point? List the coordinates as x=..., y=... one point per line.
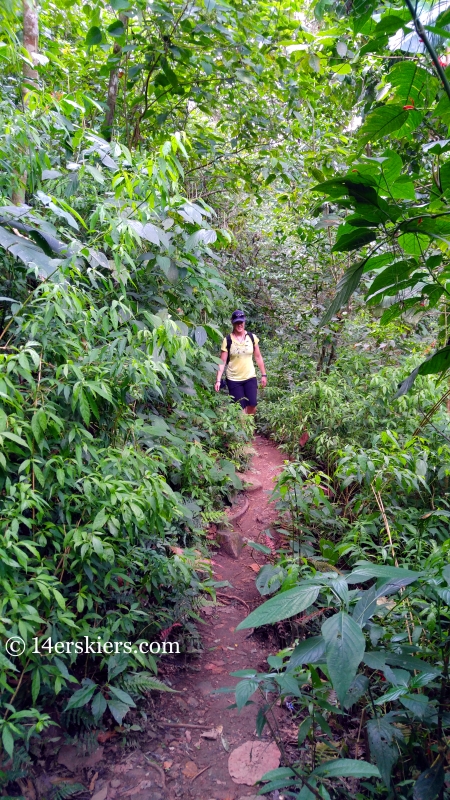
x=162, y=163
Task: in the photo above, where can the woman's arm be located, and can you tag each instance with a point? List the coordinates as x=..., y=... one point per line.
x=223, y=357
x=260, y=362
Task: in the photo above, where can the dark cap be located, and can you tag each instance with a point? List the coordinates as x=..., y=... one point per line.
x=238, y=316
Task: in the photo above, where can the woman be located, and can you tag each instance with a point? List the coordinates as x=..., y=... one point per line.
x=237, y=355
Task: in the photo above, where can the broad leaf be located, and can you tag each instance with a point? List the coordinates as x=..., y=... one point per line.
x=311, y=651
x=382, y=121
x=284, y=605
x=429, y=783
x=347, y=768
x=353, y=240
x=345, y=288
x=345, y=645
x=382, y=735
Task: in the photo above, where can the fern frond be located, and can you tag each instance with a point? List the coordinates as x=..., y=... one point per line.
x=142, y=682
x=66, y=790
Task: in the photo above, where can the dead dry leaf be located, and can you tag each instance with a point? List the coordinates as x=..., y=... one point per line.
x=190, y=769
x=255, y=567
x=213, y=733
x=167, y=764
x=102, y=794
x=139, y=788
x=249, y=762
x=92, y=783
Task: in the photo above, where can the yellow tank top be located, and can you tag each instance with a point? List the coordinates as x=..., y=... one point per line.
x=240, y=366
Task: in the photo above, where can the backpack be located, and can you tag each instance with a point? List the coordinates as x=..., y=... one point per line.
x=223, y=384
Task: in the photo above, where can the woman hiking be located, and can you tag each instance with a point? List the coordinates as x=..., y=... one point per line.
x=237, y=353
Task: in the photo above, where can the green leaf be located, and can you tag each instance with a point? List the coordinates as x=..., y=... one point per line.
x=357, y=689
x=93, y=36
x=345, y=288
x=345, y=645
x=81, y=697
x=429, y=783
x=347, y=768
x=116, y=28
x=269, y=578
x=311, y=651
x=35, y=685
x=123, y=696
x=381, y=122
x=413, y=243
x=367, y=570
x=382, y=735
x=244, y=690
x=118, y=709
x=284, y=605
x=98, y=706
x=200, y=335
x=353, y=240
x=367, y=603
x=7, y=739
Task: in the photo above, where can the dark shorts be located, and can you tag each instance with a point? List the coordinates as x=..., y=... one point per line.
x=244, y=392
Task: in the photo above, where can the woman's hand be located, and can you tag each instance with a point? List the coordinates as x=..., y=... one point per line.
x=217, y=386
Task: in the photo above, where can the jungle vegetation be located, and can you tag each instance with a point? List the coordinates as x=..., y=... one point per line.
x=162, y=163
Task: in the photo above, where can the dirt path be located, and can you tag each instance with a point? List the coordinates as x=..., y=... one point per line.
x=170, y=758
x=225, y=650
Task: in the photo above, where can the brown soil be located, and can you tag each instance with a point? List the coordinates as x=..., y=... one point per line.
x=171, y=759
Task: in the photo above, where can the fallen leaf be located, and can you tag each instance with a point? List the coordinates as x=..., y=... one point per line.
x=140, y=786
x=103, y=736
x=188, y=736
x=190, y=769
x=101, y=795
x=167, y=764
x=92, y=783
x=249, y=762
x=255, y=567
x=212, y=734
x=303, y=438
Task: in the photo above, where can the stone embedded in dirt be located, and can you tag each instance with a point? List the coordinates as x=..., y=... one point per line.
x=193, y=702
x=252, y=483
x=249, y=762
x=230, y=542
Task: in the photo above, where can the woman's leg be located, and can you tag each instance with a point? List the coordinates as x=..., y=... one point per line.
x=251, y=393
x=237, y=392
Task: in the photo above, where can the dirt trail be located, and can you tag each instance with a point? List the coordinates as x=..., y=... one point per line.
x=225, y=650
x=172, y=760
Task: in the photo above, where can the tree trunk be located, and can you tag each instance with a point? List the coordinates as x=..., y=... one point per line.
x=30, y=76
x=30, y=43
x=113, y=88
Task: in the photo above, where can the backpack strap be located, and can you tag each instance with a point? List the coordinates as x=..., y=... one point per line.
x=228, y=347
x=252, y=339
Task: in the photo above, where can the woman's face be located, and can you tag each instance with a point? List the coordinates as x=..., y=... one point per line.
x=239, y=327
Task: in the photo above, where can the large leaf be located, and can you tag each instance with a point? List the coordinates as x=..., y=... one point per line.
x=354, y=239
x=311, y=651
x=381, y=122
x=429, y=783
x=434, y=365
x=284, y=605
x=367, y=603
x=367, y=570
x=347, y=768
x=412, y=83
x=345, y=288
x=381, y=735
x=345, y=645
